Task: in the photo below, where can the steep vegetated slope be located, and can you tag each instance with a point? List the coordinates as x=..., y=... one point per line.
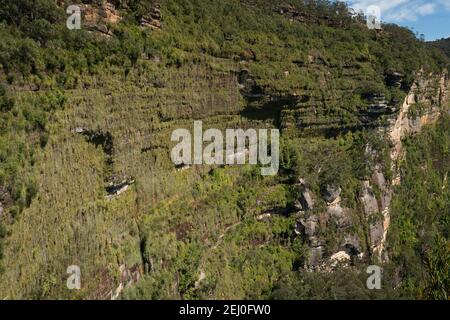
x=443, y=44
x=86, y=177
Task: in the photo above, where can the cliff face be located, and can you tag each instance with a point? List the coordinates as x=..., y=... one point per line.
x=427, y=96
x=430, y=95
x=86, y=177
x=423, y=105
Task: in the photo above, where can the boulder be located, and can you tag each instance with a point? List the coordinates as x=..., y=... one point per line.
x=306, y=200
x=103, y=29
x=315, y=256
x=331, y=193
x=340, y=215
x=340, y=256
x=376, y=231
x=379, y=179
x=306, y=197
x=308, y=227
x=369, y=200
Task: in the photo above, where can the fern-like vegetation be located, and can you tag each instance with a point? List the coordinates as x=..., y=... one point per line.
x=313, y=79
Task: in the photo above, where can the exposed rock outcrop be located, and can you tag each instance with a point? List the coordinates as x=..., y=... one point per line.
x=98, y=17
x=152, y=19
x=128, y=276
x=378, y=218
x=341, y=216
x=379, y=105
x=430, y=93
x=309, y=229
x=423, y=93
x=293, y=14
x=369, y=200
x=331, y=193
x=339, y=257
x=376, y=192
x=116, y=189
x=305, y=201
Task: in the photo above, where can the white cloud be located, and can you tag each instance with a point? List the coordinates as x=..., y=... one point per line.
x=402, y=10
x=426, y=9
x=445, y=3
x=383, y=4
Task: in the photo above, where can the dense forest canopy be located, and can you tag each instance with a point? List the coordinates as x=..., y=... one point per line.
x=128, y=84
x=444, y=45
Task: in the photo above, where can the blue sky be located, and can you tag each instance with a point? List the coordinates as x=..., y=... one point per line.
x=432, y=17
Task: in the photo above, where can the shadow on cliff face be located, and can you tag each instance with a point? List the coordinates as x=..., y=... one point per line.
x=267, y=108
x=103, y=140
x=98, y=138
x=260, y=105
